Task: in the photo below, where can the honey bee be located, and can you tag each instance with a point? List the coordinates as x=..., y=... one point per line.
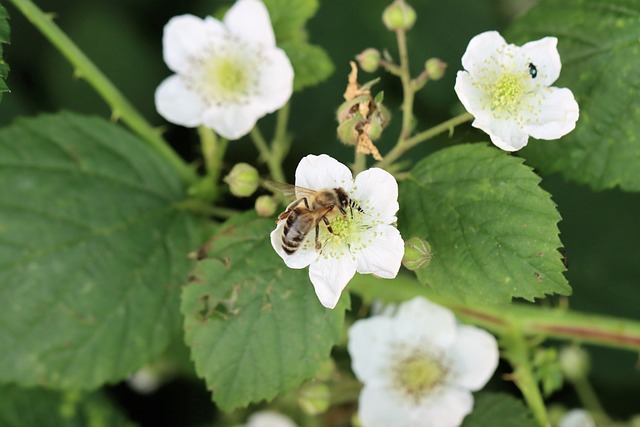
x=309, y=209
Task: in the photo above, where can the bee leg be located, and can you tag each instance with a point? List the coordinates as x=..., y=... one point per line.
x=328, y=224
x=318, y=244
x=306, y=203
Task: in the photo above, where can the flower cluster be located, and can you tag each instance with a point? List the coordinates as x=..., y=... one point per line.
x=228, y=74
x=419, y=366
x=508, y=90
x=363, y=239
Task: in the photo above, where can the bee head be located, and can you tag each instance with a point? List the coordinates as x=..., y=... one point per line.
x=343, y=197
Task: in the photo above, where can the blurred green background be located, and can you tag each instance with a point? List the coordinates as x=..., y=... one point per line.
x=600, y=231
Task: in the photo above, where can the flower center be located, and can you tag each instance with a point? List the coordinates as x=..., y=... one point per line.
x=507, y=91
x=418, y=374
x=228, y=76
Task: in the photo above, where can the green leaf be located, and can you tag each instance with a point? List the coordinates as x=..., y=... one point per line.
x=289, y=17
x=492, y=229
x=93, y=250
x=498, y=409
x=4, y=39
x=311, y=64
x=255, y=327
x=598, y=44
x=45, y=408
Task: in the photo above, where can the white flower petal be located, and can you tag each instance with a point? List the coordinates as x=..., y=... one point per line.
x=444, y=409
x=318, y=172
x=377, y=192
x=249, y=19
x=330, y=275
x=371, y=346
x=177, y=104
x=185, y=37
x=544, y=55
x=557, y=114
x=472, y=96
x=505, y=134
x=276, y=81
x=483, y=52
x=300, y=258
x=577, y=418
x=232, y=121
x=382, y=253
x=380, y=407
x=474, y=357
x=419, y=321
x=269, y=419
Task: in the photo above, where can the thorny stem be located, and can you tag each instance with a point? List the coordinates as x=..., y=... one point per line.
x=121, y=107
x=407, y=89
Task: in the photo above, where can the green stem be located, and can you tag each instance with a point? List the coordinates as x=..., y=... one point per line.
x=199, y=206
x=273, y=163
x=86, y=69
x=407, y=89
x=281, y=142
x=517, y=352
x=588, y=396
x=406, y=144
x=359, y=163
x=213, y=149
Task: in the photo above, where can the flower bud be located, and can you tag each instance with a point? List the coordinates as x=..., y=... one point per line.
x=243, y=180
x=266, y=206
x=417, y=254
x=314, y=399
x=399, y=16
x=575, y=363
x=369, y=60
x=435, y=68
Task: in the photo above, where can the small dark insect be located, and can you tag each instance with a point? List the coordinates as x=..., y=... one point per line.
x=533, y=71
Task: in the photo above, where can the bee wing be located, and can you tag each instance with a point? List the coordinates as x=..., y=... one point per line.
x=289, y=190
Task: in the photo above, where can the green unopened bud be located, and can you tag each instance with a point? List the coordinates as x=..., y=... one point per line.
x=575, y=363
x=435, y=68
x=369, y=60
x=314, y=399
x=417, y=254
x=266, y=206
x=243, y=180
x=399, y=16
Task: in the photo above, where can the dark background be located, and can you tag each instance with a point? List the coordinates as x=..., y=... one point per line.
x=600, y=231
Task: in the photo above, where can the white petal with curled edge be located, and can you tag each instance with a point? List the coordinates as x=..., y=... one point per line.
x=232, y=121
x=382, y=253
x=177, y=104
x=421, y=321
x=556, y=116
x=330, y=275
x=371, y=346
x=377, y=192
x=318, y=172
x=249, y=20
x=544, y=55
x=483, y=52
x=474, y=357
x=300, y=258
x=185, y=37
x=505, y=134
x=276, y=80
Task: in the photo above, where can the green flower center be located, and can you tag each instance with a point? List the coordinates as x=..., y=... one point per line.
x=228, y=76
x=418, y=375
x=507, y=91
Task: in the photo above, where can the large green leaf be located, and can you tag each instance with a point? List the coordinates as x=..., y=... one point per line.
x=45, y=408
x=93, y=251
x=4, y=38
x=255, y=327
x=598, y=44
x=492, y=229
x=499, y=409
x=311, y=64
